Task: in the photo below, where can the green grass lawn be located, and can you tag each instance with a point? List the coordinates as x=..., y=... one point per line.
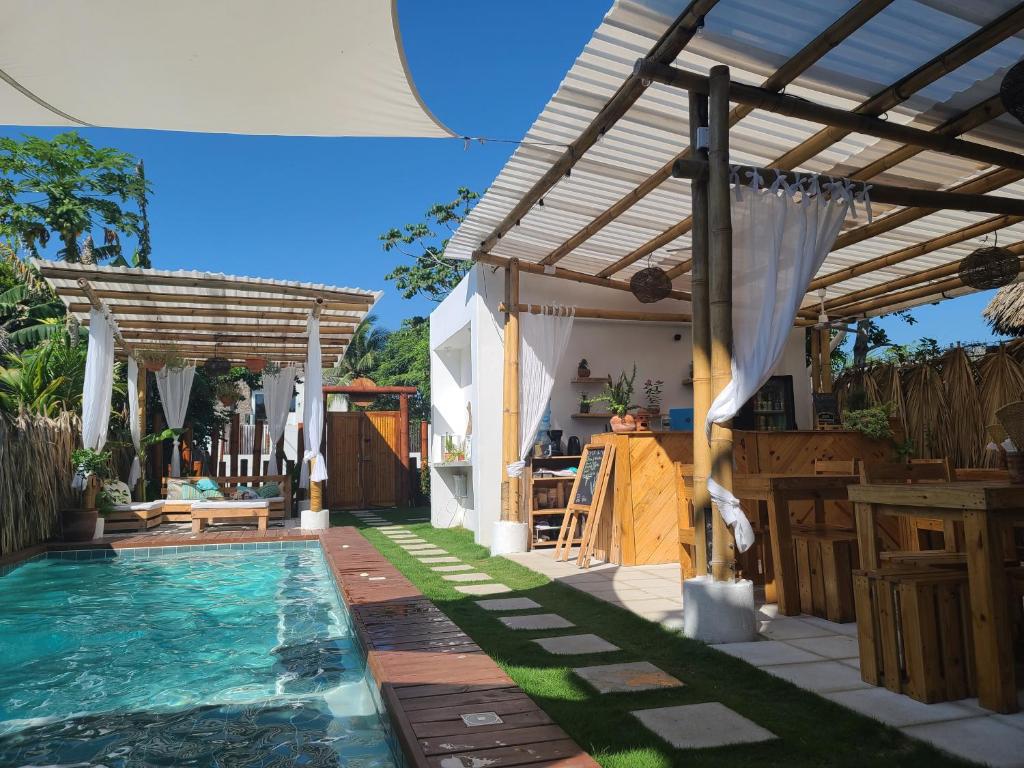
x=812, y=731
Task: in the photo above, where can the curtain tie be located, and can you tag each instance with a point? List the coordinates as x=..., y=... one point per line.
x=865, y=197
x=756, y=182
x=731, y=512
x=515, y=469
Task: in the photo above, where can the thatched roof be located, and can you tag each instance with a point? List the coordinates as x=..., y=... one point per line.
x=1005, y=313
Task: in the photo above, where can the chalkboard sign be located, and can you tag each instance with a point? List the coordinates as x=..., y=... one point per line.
x=590, y=468
x=826, y=409
x=586, y=499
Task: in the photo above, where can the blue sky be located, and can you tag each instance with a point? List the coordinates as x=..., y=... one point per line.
x=312, y=209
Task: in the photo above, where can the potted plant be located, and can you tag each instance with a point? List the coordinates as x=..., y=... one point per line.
x=618, y=397
x=162, y=357
x=85, y=524
x=584, y=403
x=227, y=392
x=653, y=390
x=583, y=370
x=255, y=364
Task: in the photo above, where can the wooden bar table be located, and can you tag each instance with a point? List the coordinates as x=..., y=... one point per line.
x=985, y=508
x=777, y=491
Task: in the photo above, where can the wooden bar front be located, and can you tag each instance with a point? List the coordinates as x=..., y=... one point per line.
x=642, y=528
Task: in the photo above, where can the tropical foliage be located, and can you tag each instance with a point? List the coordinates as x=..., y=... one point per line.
x=67, y=188
x=363, y=354
x=30, y=312
x=431, y=273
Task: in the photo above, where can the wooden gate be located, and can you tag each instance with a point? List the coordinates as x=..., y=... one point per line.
x=363, y=459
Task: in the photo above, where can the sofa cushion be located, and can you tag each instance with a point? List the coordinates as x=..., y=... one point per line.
x=269, y=490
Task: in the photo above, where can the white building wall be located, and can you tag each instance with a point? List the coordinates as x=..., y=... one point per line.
x=469, y=320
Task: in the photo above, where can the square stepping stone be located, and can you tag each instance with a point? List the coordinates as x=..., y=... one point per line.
x=428, y=551
x=416, y=544
x=483, y=589
x=508, y=603
x=536, y=621
x=819, y=676
x=445, y=559
x=575, y=644
x=699, y=726
x=467, y=577
x=391, y=528
x=451, y=568
x=632, y=676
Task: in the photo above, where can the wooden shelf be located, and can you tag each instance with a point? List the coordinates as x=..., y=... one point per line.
x=593, y=380
x=553, y=479
x=608, y=416
x=543, y=512
x=555, y=458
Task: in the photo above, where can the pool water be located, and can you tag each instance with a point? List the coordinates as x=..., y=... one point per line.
x=197, y=657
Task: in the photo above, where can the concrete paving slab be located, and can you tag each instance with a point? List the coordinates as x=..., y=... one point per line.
x=443, y=559
x=569, y=645
x=483, y=589
x=979, y=739
x=630, y=677
x=508, y=604
x=700, y=726
x=896, y=709
x=791, y=628
x=831, y=647
x=431, y=551
x=819, y=676
x=762, y=653
x=536, y=621
x=451, y=568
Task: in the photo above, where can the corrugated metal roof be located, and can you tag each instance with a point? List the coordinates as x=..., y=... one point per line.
x=154, y=308
x=754, y=38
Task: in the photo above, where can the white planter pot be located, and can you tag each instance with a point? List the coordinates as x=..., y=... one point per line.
x=508, y=537
x=99, y=528
x=719, y=612
x=315, y=521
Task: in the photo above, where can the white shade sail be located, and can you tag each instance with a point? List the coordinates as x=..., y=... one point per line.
x=304, y=67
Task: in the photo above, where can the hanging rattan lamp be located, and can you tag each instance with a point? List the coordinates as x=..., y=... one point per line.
x=989, y=267
x=650, y=284
x=1011, y=91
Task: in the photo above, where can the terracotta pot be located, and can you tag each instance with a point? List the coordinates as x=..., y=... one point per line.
x=154, y=366
x=78, y=524
x=228, y=402
x=255, y=364
x=1015, y=466
x=623, y=423
x=583, y=373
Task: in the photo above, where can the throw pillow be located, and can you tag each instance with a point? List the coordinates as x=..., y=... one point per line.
x=214, y=495
x=190, y=493
x=244, y=493
x=207, y=484
x=269, y=491
x=174, y=488
x=117, y=492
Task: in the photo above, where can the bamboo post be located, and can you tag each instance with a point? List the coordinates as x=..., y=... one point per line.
x=510, y=411
x=140, y=486
x=257, y=448
x=315, y=491
x=701, y=339
x=825, y=368
x=723, y=557
x=403, y=450
x=815, y=360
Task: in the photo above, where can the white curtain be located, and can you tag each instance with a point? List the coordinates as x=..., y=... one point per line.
x=99, y=385
x=779, y=242
x=313, y=409
x=277, y=396
x=133, y=418
x=542, y=342
x=174, y=385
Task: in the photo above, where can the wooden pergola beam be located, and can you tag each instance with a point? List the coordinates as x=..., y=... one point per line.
x=839, y=303
x=261, y=340
x=842, y=28
x=218, y=328
x=671, y=44
x=849, y=122
x=982, y=40
x=133, y=297
x=607, y=314
x=566, y=274
x=146, y=278
x=96, y=303
x=225, y=311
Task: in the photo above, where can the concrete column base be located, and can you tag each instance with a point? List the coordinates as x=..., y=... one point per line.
x=719, y=611
x=508, y=537
x=100, y=524
x=315, y=521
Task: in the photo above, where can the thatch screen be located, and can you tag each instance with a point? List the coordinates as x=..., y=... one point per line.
x=35, y=477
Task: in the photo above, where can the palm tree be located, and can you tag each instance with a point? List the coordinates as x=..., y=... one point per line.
x=30, y=312
x=363, y=354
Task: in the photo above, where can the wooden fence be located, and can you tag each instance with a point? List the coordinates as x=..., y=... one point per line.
x=35, y=477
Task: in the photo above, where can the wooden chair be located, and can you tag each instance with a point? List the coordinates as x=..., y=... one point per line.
x=830, y=467
x=687, y=535
x=917, y=471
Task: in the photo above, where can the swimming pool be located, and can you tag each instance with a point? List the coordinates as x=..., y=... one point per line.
x=192, y=656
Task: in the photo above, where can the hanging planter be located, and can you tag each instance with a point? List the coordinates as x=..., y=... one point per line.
x=217, y=366
x=1011, y=91
x=650, y=285
x=255, y=364
x=228, y=394
x=156, y=359
x=989, y=267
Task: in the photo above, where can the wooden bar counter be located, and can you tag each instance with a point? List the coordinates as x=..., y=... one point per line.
x=642, y=527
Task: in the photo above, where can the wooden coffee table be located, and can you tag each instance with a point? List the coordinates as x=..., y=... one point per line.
x=206, y=512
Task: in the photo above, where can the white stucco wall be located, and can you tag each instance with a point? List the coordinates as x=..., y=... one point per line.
x=468, y=321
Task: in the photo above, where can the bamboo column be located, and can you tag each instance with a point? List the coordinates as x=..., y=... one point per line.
x=723, y=556
x=510, y=410
x=257, y=448
x=825, y=346
x=701, y=336
x=815, y=360
x=316, y=491
x=140, y=486
x=316, y=502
